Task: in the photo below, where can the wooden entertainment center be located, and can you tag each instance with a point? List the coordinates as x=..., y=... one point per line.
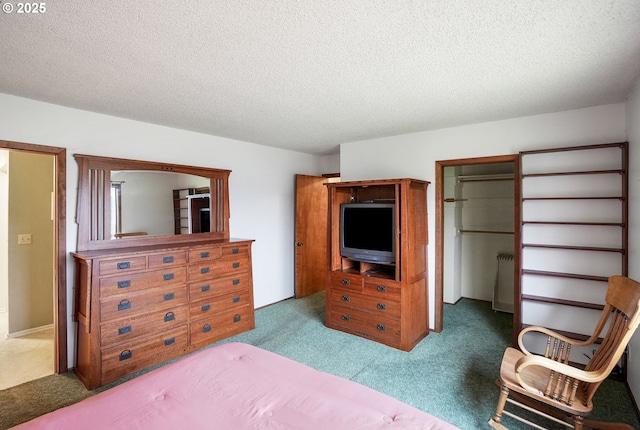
x=384, y=302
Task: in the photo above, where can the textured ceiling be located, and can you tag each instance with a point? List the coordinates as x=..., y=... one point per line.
x=308, y=75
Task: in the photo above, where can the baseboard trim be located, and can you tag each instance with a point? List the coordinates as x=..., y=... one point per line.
x=29, y=331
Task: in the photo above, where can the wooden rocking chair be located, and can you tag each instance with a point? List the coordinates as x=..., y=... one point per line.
x=550, y=385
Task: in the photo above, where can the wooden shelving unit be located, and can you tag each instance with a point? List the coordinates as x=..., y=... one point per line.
x=574, y=211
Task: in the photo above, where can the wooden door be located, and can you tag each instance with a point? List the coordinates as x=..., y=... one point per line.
x=311, y=237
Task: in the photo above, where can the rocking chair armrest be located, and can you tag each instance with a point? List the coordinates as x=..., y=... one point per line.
x=548, y=332
x=570, y=371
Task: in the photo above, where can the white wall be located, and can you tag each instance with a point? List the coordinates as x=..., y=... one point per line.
x=414, y=155
x=261, y=183
x=633, y=133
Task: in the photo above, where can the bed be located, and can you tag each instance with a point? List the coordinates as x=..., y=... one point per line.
x=238, y=386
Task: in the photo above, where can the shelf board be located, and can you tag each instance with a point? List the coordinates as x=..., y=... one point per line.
x=575, y=198
x=575, y=248
x=485, y=231
x=599, y=224
x=585, y=172
x=556, y=301
x=565, y=275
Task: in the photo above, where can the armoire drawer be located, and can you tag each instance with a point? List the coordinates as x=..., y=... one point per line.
x=382, y=288
x=382, y=306
x=152, y=323
x=153, y=299
x=214, y=305
x=221, y=267
x=346, y=280
x=132, y=356
x=217, y=286
x=208, y=329
x=366, y=324
x=139, y=281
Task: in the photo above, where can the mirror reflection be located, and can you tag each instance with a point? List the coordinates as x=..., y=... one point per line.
x=156, y=203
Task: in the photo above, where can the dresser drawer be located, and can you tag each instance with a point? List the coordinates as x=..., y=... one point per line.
x=167, y=259
x=223, y=266
x=214, y=287
x=346, y=280
x=235, y=250
x=151, y=300
x=143, y=325
x=139, y=281
x=218, y=304
x=382, y=288
x=204, y=253
x=365, y=324
x=387, y=307
x=209, y=329
x=136, y=355
x=122, y=265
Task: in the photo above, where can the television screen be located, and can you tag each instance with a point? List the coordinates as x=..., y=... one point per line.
x=367, y=232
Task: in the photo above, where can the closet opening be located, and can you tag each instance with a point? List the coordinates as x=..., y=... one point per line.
x=478, y=233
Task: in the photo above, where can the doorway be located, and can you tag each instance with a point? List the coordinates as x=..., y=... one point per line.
x=448, y=255
x=57, y=214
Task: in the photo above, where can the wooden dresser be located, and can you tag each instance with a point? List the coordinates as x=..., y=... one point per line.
x=143, y=305
x=384, y=302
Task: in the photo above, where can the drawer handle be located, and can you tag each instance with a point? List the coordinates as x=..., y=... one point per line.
x=124, y=305
x=235, y=265
x=235, y=281
x=345, y=318
x=169, y=316
x=204, y=254
x=204, y=270
x=382, y=306
x=124, y=265
x=168, y=276
x=205, y=288
x=206, y=328
x=126, y=354
x=235, y=251
x=205, y=308
x=167, y=259
x=382, y=288
x=236, y=318
x=345, y=282
x=345, y=298
x=236, y=299
x=124, y=284
x=169, y=341
x=381, y=327
x=124, y=330
x=169, y=296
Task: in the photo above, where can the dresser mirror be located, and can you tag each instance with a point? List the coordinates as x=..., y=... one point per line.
x=125, y=202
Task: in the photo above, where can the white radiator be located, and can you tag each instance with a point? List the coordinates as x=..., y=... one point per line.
x=503, y=290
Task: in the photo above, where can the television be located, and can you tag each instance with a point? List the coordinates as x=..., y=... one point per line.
x=367, y=232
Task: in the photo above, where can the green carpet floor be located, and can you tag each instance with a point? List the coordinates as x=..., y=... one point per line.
x=450, y=375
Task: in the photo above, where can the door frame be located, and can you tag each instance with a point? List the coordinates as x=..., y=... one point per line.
x=60, y=245
x=439, y=260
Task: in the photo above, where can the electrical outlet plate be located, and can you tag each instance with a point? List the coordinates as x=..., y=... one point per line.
x=24, y=239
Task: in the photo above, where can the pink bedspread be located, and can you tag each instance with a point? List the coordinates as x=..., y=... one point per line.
x=238, y=386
